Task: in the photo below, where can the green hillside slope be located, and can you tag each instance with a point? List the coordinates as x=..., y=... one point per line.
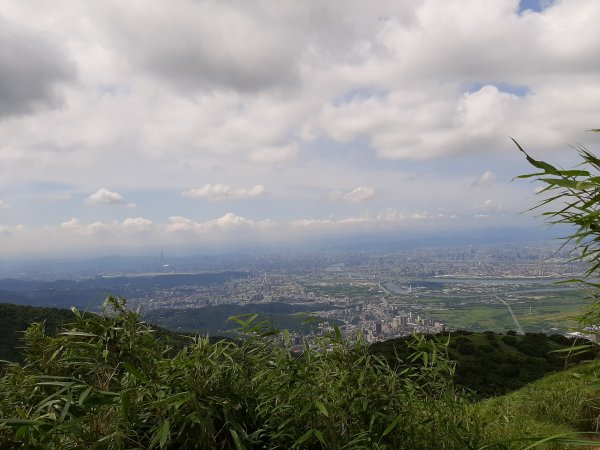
x=493, y=364
x=14, y=319
x=565, y=403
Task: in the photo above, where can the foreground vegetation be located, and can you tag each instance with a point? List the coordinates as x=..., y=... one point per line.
x=487, y=364
x=108, y=382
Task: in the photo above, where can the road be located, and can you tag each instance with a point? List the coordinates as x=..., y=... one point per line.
x=519, y=327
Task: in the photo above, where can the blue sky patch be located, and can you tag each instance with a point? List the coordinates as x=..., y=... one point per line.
x=359, y=93
x=534, y=5
x=516, y=89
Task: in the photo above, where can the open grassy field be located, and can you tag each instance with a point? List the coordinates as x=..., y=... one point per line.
x=553, y=310
x=548, y=311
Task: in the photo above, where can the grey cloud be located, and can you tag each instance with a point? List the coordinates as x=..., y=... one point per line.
x=202, y=45
x=246, y=46
x=31, y=69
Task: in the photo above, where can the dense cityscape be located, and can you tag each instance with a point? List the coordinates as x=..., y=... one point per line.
x=381, y=295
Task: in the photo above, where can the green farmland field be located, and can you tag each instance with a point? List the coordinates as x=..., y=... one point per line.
x=549, y=311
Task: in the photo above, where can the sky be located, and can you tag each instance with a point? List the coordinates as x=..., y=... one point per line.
x=199, y=124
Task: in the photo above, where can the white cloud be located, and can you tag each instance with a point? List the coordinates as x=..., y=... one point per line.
x=180, y=224
x=485, y=179
x=71, y=224
x=5, y=230
x=94, y=228
x=389, y=217
x=104, y=196
x=227, y=223
x=359, y=194
x=3, y=204
x=223, y=192
x=138, y=224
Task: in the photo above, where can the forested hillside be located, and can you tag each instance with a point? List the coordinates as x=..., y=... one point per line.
x=491, y=364
x=14, y=319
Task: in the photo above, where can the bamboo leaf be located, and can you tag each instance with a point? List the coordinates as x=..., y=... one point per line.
x=84, y=395
x=236, y=440
x=547, y=168
x=165, y=433
x=320, y=437
x=392, y=425
x=304, y=437
x=135, y=372
x=321, y=408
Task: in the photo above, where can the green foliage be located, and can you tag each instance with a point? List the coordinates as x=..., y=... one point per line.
x=560, y=404
x=490, y=364
x=213, y=319
x=107, y=382
x=16, y=318
x=574, y=199
x=577, y=194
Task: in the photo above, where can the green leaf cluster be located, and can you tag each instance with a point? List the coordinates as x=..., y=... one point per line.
x=574, y=195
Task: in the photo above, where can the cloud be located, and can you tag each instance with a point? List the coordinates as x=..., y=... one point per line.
x=31, y=70
x=223, y=192
x=3, y=204
x=138, y=224
x=227, y=223
x=485, y=179
x=359, y=194
x=388, y=218
x=104, y=196
x=94, y=228
x=491, y=205
x=304, y=96
x=274, y=154
x=178, y=45
x=5, y=230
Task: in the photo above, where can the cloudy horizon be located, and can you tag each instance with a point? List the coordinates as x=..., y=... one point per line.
x=218, y=124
